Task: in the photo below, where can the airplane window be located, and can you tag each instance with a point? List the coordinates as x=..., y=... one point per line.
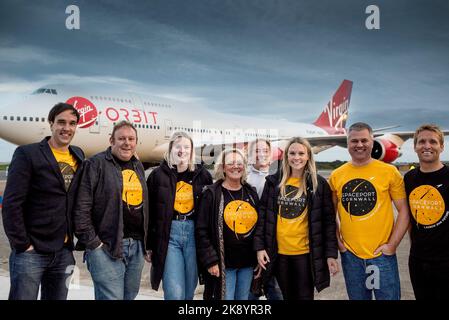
x=37, y=119
x=18, y=118
x=24, y=118
x=47, y=91
x=11, y=118
x=5, y=118
x=39, y=91
x=43, y=119
x=53, y=91
x=31, y=118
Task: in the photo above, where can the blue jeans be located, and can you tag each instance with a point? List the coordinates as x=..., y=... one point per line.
x=51, y=271
x=365, y=277
x=238, y=283
x=180, y=276
x=117, y=279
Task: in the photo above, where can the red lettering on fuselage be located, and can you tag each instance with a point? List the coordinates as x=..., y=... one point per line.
x=131, y=115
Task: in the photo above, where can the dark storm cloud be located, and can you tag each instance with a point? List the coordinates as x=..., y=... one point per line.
x=277, y=59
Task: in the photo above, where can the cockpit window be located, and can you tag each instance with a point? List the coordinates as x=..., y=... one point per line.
x=45, y=90
x=39, y=91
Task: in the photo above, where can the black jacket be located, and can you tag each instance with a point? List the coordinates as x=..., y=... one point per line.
x=161, y=185
x=209, y=237
x=322, y=227
x=98, y=213
x=37, y=209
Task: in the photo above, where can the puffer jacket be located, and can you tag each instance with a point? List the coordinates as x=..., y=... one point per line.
x=321, y=221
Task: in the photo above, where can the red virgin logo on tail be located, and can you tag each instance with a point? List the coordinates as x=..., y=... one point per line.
x=86, y=109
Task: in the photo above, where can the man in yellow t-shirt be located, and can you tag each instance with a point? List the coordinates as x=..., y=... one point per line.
x=363, y=192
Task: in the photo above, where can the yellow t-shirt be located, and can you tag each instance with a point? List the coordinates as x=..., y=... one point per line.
x=364, y=204
x=67, y=164
x=292, y=232
x=184, y=197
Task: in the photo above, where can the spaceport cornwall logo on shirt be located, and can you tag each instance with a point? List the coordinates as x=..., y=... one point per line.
x=359, y=197
x=427, y=206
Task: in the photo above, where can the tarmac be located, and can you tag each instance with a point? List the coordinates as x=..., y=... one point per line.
x=81, y=287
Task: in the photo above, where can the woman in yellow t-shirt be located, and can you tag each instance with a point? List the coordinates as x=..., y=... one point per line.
x=295, y=233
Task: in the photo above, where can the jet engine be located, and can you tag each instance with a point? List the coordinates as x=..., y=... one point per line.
x=387, y=148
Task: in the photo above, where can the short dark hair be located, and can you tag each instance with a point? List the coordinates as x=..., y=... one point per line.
x=60, y=108
x=122, y=124
x=359, y=126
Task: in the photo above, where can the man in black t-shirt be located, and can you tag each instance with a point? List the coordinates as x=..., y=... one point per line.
x=428, y=197
x=111, y=217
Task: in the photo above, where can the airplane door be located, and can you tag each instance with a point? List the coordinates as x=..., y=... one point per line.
x=168, y=126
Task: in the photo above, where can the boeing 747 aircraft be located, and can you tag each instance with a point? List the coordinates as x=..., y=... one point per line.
x=156, y=119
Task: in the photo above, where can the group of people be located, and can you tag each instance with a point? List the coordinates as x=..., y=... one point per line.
x=284, y=229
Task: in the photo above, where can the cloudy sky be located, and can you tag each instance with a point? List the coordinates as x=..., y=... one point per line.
x=270, y=58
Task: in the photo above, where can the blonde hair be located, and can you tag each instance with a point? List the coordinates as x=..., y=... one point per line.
x=309, y=170
x=429, y=127
x=168, y=155
x=219, y=164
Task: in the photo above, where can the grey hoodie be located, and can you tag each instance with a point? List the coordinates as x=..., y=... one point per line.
x=256, y=178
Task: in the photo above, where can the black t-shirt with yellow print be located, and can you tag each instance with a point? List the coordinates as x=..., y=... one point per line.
x=240, y=218
x=428, y=199
x=132, y=197
x=184, y=199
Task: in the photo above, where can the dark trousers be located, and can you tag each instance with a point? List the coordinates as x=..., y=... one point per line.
x=272, y=291
x=294, y=275
x=50, y=271
x=430, y=279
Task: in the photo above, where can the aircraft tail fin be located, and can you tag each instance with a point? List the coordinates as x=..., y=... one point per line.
x=333, y=118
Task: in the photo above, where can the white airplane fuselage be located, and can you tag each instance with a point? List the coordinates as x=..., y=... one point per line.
x=154, y=118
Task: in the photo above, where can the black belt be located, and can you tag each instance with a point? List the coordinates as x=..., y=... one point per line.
x=182, y=217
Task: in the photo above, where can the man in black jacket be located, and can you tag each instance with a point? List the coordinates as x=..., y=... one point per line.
x=37, y=207
x=111, y=216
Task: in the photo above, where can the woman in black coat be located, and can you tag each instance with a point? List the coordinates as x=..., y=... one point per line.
x=296, y=232
x=224, y=231
x=174, y=189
